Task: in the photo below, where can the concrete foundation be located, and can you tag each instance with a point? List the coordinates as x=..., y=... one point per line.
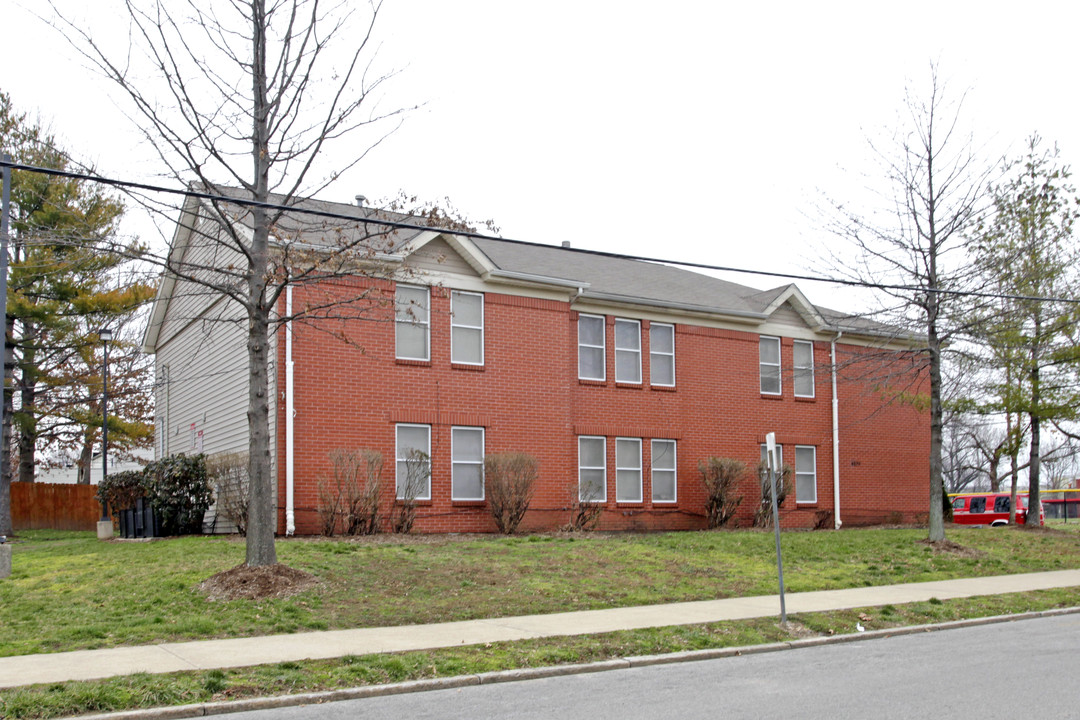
x=104, y=529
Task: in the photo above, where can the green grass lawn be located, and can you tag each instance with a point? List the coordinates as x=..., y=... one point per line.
x=70, y=591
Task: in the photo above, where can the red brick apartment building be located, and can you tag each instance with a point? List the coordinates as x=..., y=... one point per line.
x=618, y=375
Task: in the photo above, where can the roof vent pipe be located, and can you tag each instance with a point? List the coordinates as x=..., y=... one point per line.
x=566, y=243
x=360, y=200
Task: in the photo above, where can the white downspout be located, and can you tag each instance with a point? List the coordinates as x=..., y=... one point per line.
x=290, y=512
x=835, y=439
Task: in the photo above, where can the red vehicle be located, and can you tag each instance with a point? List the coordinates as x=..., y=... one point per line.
x=989, y=509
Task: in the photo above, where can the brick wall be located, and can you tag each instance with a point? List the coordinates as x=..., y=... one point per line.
x=350, y=392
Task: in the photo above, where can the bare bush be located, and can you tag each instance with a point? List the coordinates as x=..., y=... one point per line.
x=509, y=480
x=763, y=518
x=349, y=496
x=362, y=507
x=720, y=476
x=229, y=474
x=585, y=509
x=417, y=476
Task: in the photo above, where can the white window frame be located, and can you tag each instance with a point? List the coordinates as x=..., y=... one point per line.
x=602, y=468
x=653, y=353
x=399, y=460
x=811, y=474
x=802, y=371
x=411, y=317
x=455, y=323
x=777, y=365
x=673, y=470
x=620, y=470
x=455, y=462
x=628, y=359
x=602, y=346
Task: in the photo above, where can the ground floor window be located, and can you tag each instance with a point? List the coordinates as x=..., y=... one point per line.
x=592, y=469
x=663, y=471
x=413, y=467
x=627, y=470
x=805, y=474
x=467, y=481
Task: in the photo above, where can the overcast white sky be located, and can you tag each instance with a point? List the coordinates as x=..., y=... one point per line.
x=696, y=130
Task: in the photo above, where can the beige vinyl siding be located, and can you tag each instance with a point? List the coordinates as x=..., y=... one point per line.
x=438, y=256
x=787, y=316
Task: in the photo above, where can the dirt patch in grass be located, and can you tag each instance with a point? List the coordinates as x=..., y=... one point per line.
x=952, y=548
x=257, y=583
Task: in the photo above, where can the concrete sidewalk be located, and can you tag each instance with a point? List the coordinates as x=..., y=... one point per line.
x=207, y=654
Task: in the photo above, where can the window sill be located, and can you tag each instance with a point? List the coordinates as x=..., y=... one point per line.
x=771, y=396
x=468, y=503
x=594, y=383
x=662, y=388
x=805, y=399
x=416, y=503
x=630, y=504
x=412, y=363
x=467, y=368
x=806, y=504
x=629, y=386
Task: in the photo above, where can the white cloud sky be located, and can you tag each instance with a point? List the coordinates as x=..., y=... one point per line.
x=685, y=129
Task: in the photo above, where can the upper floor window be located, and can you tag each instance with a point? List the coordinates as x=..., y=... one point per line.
x=412, y=322
x=592, y=469
x=466, y=328
x=663, y=471
x=627, y=351
x=805, y=474
x=591, y=347
x=769, y=363
x=662, y=354
x=804, y=369
x=467, y=451
x=413, y=466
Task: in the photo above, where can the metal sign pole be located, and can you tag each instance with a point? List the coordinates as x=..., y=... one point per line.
x=770, y=455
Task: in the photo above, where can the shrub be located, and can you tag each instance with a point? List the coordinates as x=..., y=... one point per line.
x=509, y=480
x=178, y=488
x=585, y=511
x=763, y=518
x=120, y=490
x=229, y=475
x=362, y=508
x=417, y=475
x=349, y=496
x=720, y=476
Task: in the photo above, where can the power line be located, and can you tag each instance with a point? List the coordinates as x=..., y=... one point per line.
x=401, y=225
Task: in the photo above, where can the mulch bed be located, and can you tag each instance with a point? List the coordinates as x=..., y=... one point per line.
x=257, y=583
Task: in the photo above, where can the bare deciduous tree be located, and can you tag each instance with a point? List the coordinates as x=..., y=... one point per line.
x=250, y=95
x=915, y=246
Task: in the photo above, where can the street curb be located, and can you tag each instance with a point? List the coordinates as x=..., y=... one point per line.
x=266, y=703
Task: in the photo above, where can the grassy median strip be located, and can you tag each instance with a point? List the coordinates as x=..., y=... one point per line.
x=145, y=691
x=69, y=591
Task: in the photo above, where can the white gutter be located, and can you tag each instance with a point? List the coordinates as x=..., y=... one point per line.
x=835, y=439
x=290, y=513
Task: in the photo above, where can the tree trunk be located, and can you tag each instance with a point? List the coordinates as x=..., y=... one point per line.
x=86, y=459
x=28, y=403
x=937, y=516
x=262, y=490
x=1034, y=502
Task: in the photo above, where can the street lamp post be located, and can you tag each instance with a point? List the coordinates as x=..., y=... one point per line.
x=104, y=526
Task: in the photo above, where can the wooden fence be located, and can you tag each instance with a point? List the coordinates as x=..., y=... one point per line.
x=38, y=506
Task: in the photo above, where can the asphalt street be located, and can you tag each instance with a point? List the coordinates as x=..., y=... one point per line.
x=1025, y=668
